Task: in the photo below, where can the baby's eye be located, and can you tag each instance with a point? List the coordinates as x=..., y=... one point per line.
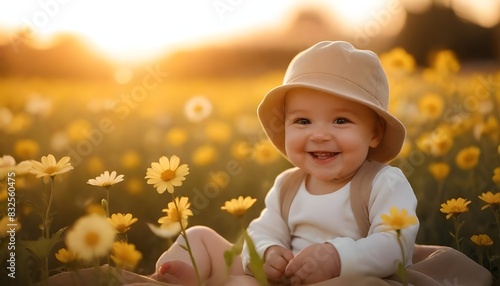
x=341, y=121
x=302, y=121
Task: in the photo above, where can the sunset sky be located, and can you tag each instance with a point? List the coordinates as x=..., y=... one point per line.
x=125, y=28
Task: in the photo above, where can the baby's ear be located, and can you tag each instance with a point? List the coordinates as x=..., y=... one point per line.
x=378, y=132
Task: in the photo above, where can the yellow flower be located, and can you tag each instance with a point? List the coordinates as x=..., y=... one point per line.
x=431, y=105
x=122, y=223
x=446, y=62
x=239, y=206
x=441, y=142
x=166, y=230
x=397, y=220
x=176, y=137
x=26, y=148
x=106, y=180
x=439, y=170
x=177, y=211
x=198, y=108
x=240, y=150
x=264, y=152
x=490, y=127
x=438, y=142
x=94, y=208
x=492, y=200
x=468, y=158
x=19, y=123
x=204, y=155
x=454, y=207
x=8, y=164
x=130, y=159
x=49, y=167
x=482, y=240
x=66, y=256
x=218, y=131
x=7, y=161
x=125, y=256
x=496, y=176
x=91, y=236
x=23, y=168
x=398, y=60
x=220, y=179
x=166, y=174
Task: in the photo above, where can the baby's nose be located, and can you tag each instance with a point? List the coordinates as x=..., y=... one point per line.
x=320, y=134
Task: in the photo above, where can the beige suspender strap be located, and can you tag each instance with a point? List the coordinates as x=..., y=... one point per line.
x=361, y=188
x=288, y=189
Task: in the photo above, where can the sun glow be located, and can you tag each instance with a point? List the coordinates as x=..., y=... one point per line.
x=130, y=29
x=124, y=29
x=370, y=17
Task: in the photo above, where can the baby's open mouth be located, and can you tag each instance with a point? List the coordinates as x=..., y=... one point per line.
x=323, y=155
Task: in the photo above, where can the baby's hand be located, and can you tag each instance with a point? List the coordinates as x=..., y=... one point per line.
x=314, y=263
x=276, y=259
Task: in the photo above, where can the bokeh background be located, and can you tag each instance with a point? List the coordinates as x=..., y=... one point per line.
x=115, y=85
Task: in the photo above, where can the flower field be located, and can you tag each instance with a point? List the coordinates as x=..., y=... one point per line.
x=451, y=156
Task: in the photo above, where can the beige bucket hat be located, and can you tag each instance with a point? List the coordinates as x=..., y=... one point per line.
x=337, y=68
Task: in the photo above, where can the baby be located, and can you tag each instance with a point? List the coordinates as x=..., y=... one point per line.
x=328, y=118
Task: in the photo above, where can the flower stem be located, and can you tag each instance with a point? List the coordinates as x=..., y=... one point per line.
x=403, y=262
x=107, y=201
x=457, y=230
x=188, y=246
x=496, y=213
x=46, y=223
x=45, y=270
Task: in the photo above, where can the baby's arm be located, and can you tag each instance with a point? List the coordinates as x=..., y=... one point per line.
x=314, y=263
x=269, y=230
x=375, y=254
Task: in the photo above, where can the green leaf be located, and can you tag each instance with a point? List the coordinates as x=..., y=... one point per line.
x=402, y=274
x=42, y=247
x=183, y=247
x=256, y=263
x=229, y=258
x=39, y=248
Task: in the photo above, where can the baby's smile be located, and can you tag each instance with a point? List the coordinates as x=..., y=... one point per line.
x=323, y=155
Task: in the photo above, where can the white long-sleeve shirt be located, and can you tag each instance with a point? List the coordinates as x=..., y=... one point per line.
x=329, y=218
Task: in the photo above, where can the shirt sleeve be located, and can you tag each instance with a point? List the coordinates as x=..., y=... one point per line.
x=269, y=228
x=378, y=253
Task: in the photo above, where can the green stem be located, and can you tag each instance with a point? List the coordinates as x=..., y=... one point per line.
x=188, y=246
x=46, y=224
x=403, y=262
x=107, y=201
x=46, y=271
x=457, y=230
x=480, y=255
x=496, y=213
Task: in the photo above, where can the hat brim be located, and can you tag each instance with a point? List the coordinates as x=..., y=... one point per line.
x=271, y=112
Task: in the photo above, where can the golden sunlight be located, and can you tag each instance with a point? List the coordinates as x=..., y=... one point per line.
x=123, y=29
x=370, y=17
x=137, y=30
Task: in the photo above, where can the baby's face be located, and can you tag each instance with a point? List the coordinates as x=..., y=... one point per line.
x=328, y=136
